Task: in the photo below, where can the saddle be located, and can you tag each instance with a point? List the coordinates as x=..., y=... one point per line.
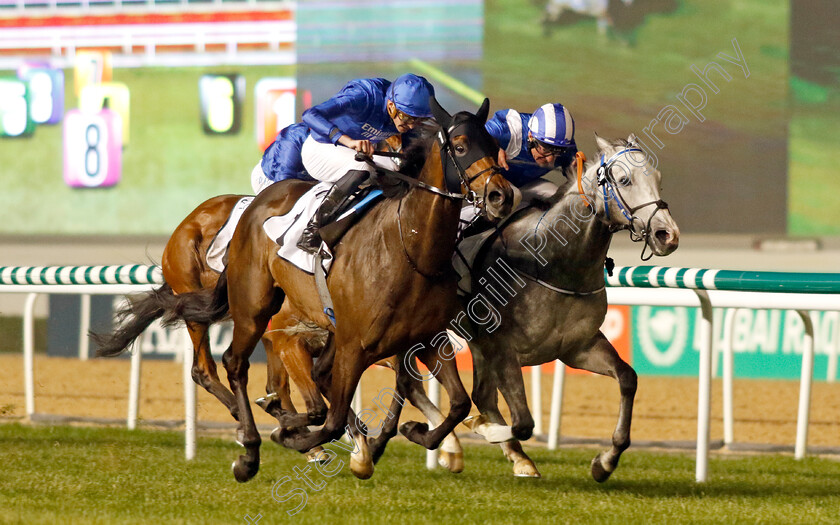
x=351, y=210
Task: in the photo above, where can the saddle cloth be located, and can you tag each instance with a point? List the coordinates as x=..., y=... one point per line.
x=285, y=230
x=217, y=250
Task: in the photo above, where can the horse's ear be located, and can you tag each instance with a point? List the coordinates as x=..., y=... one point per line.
x=631, y=140
x=603, y=144
x=483, y=111
x=441, y=116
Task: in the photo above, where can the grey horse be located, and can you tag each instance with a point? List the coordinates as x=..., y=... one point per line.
x=551, y=300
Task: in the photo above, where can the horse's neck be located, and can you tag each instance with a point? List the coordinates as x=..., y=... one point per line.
x=576, y=243
x=429, y=222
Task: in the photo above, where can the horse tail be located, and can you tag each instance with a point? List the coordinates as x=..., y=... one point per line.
x=133, y=318
x=205, y=306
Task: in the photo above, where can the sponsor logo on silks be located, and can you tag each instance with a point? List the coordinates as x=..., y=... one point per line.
x=369, y=132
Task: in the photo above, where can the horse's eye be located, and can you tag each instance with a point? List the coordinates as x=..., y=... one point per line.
x=460, y=150
x=624, y=181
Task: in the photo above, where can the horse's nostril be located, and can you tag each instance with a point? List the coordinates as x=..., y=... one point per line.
x=663, y=236
x=496, y=198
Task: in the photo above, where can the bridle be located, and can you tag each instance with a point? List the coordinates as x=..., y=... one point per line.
x=610, y=190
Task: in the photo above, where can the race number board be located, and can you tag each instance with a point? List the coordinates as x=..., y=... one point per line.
x=92, y=148
x=275, y=108
x=15, y=119
x=91, y=67
x=46, y=91
x=114, y=96
x=221, y=103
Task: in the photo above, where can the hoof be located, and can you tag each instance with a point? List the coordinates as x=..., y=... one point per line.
x=453, y=461
x=414, y=431
x=599, y=473
x=361, y=465
x=264, y=402
x=315, y=455
x=283, y=437
x=361, y=462
x=243, y=470
x=525, y=468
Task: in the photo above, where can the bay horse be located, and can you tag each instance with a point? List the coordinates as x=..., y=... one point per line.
x=391, y=282
x=554, y=304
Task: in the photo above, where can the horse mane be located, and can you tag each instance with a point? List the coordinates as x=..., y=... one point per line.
x=416, y=146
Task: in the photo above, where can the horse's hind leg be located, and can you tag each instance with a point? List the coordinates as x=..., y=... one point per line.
x=347, y=368
x=251, y=308
x=486, y=399
x=204, y=368
x=278, y=399
x=602, y=358
x=290, y=358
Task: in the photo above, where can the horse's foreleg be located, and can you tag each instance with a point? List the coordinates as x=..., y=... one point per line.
x=603, y=359
x=376, y=444
x=451, y=454
x=505, y=366
x=459, y=401
x=486, y=399
x=204, y=368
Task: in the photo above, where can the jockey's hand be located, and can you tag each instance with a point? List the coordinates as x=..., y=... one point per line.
x=503, y=159
x=362, y=146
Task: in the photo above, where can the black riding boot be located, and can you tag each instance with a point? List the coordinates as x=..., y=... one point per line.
x=346, y=186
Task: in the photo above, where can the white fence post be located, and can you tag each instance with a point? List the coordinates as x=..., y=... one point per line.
x=536, y=398
x=29, y=353
x=556, y=404
x=189, y=399
x=134, y=384
x=84, y=327
x=806, y=376
x=434, y=397
x=728, y=374
x=704, y=388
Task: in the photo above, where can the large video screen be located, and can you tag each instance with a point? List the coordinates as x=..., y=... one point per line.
x=736, y=100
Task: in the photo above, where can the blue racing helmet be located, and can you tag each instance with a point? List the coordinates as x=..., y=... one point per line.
x=411, y=93
x=552, y=124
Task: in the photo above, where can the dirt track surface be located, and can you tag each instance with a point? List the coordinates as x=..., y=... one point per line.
x=665, y=408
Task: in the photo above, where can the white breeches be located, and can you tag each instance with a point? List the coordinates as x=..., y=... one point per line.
x=326, y=162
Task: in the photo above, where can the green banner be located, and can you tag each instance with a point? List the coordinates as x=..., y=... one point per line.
x=766, y=344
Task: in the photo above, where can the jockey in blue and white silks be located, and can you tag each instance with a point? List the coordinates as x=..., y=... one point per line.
x=533, y=144
x=282, y=159
x=364, y=113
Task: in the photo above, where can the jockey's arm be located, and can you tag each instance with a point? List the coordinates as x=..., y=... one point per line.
x=320, y=118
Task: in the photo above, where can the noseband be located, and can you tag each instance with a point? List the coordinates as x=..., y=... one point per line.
x=610, y=189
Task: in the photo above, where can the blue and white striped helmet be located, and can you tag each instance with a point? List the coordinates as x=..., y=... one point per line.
x=553, y=125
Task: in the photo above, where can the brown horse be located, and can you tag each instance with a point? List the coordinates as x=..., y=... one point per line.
x=389, y=276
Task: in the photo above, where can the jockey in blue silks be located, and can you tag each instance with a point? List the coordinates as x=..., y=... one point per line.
x=534, y=144
x=282, y=159
x=364, y=113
